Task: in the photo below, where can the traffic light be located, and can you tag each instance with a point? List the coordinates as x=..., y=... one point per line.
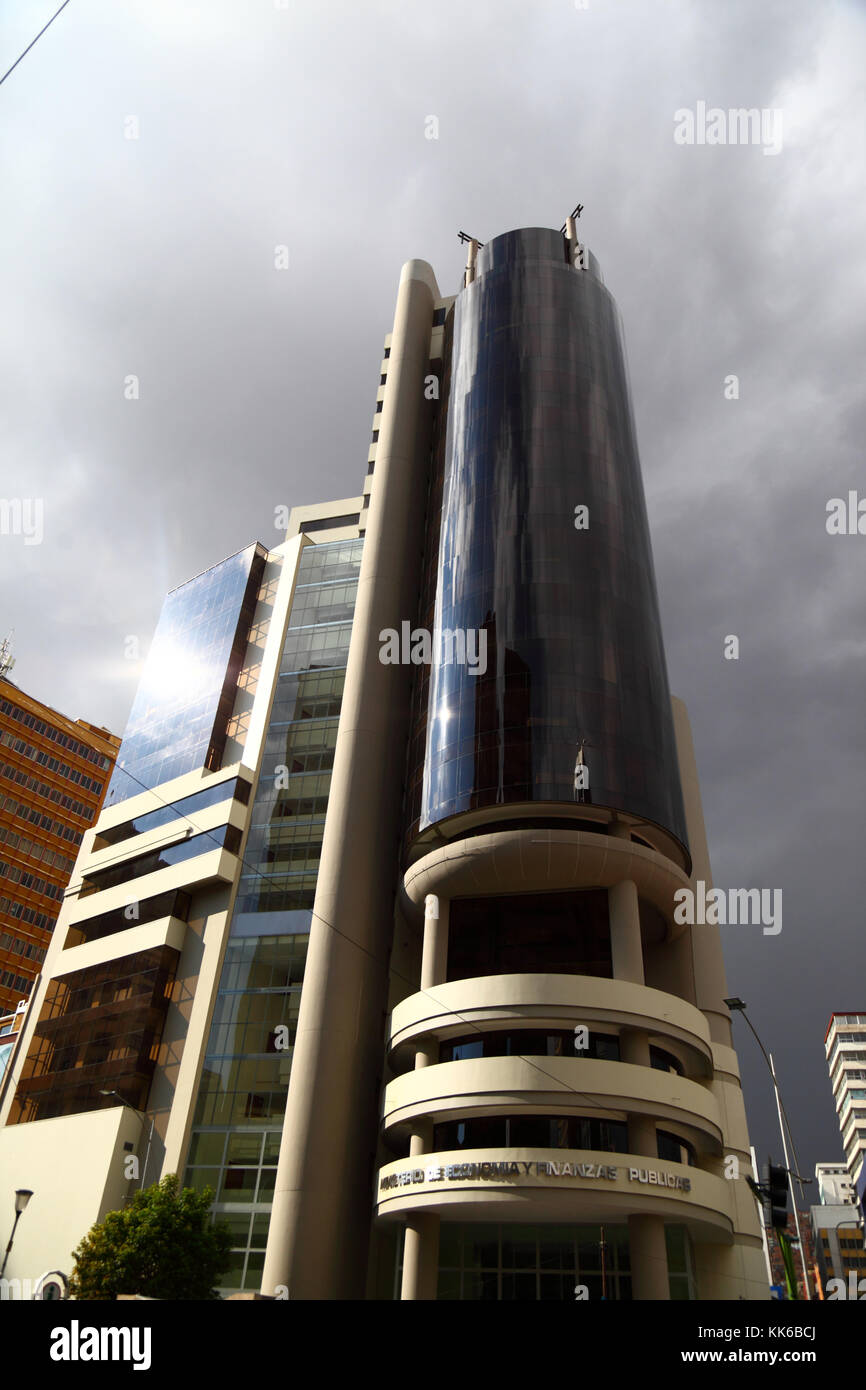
x=777, y=1183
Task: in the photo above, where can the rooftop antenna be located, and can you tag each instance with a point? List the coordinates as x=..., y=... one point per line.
x=472, y=254
x=575, y=254
x=7, y=660
x=571, y=218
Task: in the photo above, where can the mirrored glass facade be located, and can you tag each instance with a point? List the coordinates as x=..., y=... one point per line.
x=536, y=425
x=237, y=1123
x=184, y=699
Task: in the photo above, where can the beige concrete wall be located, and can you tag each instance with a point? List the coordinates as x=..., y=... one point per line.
x=75, y=1168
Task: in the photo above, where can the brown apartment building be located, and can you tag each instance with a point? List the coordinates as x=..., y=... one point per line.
x=53, y=776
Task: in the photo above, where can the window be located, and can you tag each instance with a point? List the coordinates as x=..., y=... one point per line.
x=329, y=523
x=164, y=815
x=530, y=1263
x=665, y=1061
x=223, y=837
x=551, y=933
x=674, y=1149
x=532, y=1131
x=528, y=1042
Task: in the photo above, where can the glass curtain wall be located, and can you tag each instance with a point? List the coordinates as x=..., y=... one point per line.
x=238, y=1118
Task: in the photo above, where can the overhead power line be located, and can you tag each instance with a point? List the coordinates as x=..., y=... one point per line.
x=30, y=45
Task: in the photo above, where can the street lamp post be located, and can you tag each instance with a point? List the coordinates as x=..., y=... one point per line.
x=22, y=1197
x=737, y=1006
x=143, y=1116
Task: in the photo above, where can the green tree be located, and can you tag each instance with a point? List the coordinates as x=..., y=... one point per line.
x=163, y=1245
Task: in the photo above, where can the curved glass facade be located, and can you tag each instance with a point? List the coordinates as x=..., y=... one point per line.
x=558, y=605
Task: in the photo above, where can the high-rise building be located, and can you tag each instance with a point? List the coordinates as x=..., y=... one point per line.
x=380, y=926
x=53, y=776
x=836, y=1223
x=835, y=1187
x=845, y=1049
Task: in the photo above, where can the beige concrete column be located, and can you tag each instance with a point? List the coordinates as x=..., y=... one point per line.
x=634, y=1047
x=421, y=1257
x=421, y=1243
x=625, y=943
x=642, y=1137
x=421, y=1141
x=649, y=1258
x=322, y=1209
x=428, y=1055
x=434, y=960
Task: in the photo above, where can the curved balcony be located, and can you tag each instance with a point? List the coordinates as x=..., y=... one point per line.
x=555, y=1001
x=529, y=860
x=557, y=1185
x=552, y=1085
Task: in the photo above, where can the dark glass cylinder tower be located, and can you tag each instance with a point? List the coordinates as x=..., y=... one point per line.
x=539, y=541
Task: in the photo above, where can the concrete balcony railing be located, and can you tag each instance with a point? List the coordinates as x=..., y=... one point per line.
x=567, y=1186
x=552, y=1085
x=554, y=1001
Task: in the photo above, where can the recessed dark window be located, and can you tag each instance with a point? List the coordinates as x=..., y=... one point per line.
x=328, y=523
x=532, y=1131
x=387, y=352
x=439, y=317
x=665, y=1061
x=378, y=407
x=528, y=1042
x=382, y=379
x=674, y=1149
x=552, y=933
x=375, y=436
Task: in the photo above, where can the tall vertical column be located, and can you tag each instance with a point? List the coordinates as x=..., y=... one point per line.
x=320, y=1225
x=420, y=1256
x=642, y=1134
x=649, y=1258
x=421, y=1240
x=625, y=942
x=434, y=958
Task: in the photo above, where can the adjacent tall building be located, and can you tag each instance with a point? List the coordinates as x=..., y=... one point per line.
x=837, y=1228
x=378, y=925
x=845, y=1048
x=53, y=776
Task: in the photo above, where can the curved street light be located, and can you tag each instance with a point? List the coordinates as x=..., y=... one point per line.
x=737, y=1006
x=22, y=1197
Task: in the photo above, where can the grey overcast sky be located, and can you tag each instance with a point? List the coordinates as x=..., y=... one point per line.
x=306, y=125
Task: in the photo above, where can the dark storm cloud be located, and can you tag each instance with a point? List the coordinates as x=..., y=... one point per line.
x=306, y=127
